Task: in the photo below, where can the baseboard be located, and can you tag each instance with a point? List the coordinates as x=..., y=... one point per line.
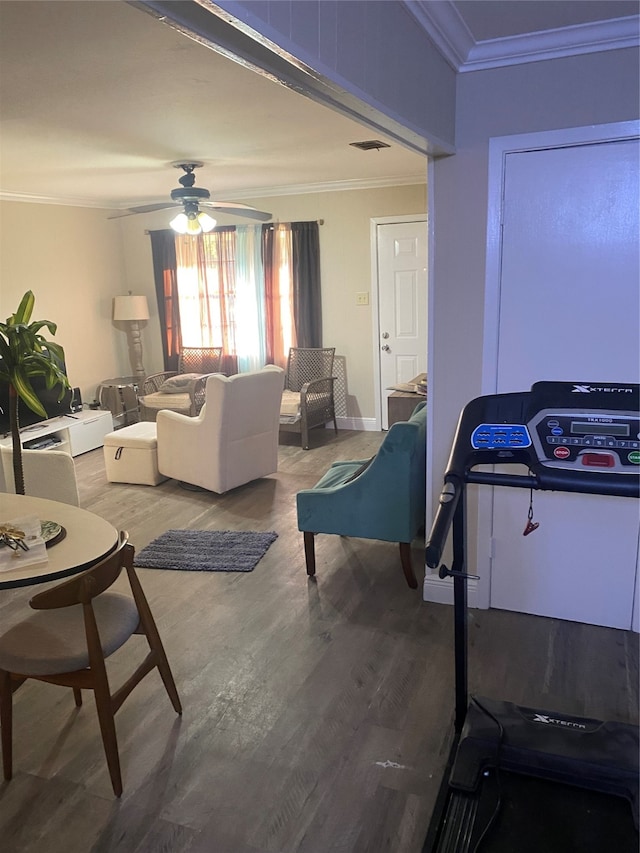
x=440, y=590
x=358, y=424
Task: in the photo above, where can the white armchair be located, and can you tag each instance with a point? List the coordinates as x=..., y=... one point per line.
x=48, y=474
x=233, y=440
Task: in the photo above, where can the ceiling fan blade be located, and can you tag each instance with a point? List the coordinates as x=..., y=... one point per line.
x=231, y=207
x=144, y=208
x=237, y=209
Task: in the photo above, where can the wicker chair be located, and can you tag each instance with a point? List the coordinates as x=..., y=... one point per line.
x=307, y=399
x=166, y=391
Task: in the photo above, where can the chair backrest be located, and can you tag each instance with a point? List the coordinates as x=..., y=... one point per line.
x=200, y=360
x=86, y=586
x=48, y=474
x=233, y=440
x=307, y=363
x=246, y=403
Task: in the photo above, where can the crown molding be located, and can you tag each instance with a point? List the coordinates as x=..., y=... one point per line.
x=31, y=198
x=451, y=36
x=258, y=192
x=445, y=27
x=555, y=44
x=329, y=187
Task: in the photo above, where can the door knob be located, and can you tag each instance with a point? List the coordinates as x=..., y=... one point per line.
x=386, y=348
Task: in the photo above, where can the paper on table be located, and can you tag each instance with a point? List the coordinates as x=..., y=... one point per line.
x=37, y=552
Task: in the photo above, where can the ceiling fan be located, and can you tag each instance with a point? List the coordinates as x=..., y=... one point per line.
x=193, y=220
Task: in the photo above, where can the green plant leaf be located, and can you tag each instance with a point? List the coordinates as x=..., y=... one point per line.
x=25, y=309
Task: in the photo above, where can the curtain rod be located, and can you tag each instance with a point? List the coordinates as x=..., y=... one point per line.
x=319, y=221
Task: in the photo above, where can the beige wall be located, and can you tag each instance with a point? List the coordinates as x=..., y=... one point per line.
x=71, y=258
x=345, y=261
x=76, y=259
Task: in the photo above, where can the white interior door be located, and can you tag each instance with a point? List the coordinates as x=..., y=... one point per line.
x=402, y=304
x=569, y=310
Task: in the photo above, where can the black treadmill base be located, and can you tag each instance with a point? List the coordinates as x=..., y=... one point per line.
x=519, y=813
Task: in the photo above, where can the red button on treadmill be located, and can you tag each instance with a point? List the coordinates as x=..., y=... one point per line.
x=599, y=460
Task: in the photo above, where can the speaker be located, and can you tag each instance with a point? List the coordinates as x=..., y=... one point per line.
x=76, y=400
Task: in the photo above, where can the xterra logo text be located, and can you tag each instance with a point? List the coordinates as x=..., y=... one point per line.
x=554, y=721
x=589, y=389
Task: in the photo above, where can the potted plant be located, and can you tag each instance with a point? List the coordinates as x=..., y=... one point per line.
x=24, y=354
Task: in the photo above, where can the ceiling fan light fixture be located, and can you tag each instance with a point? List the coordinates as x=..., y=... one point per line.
x=193, y=222
x=207, y=223
x=179, y=223
x=193, y=226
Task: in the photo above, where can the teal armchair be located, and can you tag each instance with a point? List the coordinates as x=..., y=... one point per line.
x=379, y=498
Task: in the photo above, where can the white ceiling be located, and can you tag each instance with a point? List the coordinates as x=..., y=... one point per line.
x=97, y=99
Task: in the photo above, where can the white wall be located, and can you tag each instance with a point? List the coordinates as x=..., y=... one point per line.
x=345, y=266
x=592, y=89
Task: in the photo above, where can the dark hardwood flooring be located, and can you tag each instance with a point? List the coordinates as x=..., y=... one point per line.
x=317, y=714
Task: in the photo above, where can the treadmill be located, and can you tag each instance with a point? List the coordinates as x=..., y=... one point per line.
x=520, y=779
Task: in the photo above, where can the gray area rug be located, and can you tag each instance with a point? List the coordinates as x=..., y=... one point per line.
x=205, y=550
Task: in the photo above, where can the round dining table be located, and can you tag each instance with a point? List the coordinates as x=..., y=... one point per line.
x=85, y=538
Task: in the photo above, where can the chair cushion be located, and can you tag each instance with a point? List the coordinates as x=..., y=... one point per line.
x=166, y=401
x=53, y=641
x=290, y=405
x=178, y=384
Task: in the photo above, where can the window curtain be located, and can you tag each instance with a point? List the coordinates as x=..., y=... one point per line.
x=254, y=290
x=250, y=300
x=207, y=291
x=307, y=304
x=277, y=259
x=163, y=252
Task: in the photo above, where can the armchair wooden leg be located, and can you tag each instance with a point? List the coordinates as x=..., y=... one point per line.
x=407, y=567
x=309, y=552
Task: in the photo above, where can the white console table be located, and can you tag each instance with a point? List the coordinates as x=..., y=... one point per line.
x=75, y=434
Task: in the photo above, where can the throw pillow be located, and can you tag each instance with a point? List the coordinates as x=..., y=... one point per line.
x=178, y=384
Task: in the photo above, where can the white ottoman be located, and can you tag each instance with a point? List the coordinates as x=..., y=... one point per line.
x=131, y=455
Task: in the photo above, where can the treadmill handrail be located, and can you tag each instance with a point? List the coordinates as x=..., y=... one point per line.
x=448, y=501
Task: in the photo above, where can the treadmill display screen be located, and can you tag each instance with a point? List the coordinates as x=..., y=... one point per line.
x=589, y=428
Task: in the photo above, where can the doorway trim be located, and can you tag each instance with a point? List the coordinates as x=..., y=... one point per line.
x=375, y=293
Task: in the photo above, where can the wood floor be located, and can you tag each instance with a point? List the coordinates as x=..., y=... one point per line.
x=316, y=714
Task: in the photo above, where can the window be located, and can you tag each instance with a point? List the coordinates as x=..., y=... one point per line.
x=254, y=290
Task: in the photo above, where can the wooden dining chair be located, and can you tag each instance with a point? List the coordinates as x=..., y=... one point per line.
x=77, y=626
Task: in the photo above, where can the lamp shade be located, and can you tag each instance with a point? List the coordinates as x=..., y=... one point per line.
x=130, y=308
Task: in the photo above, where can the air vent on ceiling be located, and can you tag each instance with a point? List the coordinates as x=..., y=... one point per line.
x=369, y=144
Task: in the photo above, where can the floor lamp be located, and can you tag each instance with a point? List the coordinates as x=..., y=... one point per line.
x=131, y=310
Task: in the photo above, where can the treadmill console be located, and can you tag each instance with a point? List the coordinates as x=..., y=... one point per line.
x=572, y=436
x=571, y=428
x=588, y=438
x=500, y=436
